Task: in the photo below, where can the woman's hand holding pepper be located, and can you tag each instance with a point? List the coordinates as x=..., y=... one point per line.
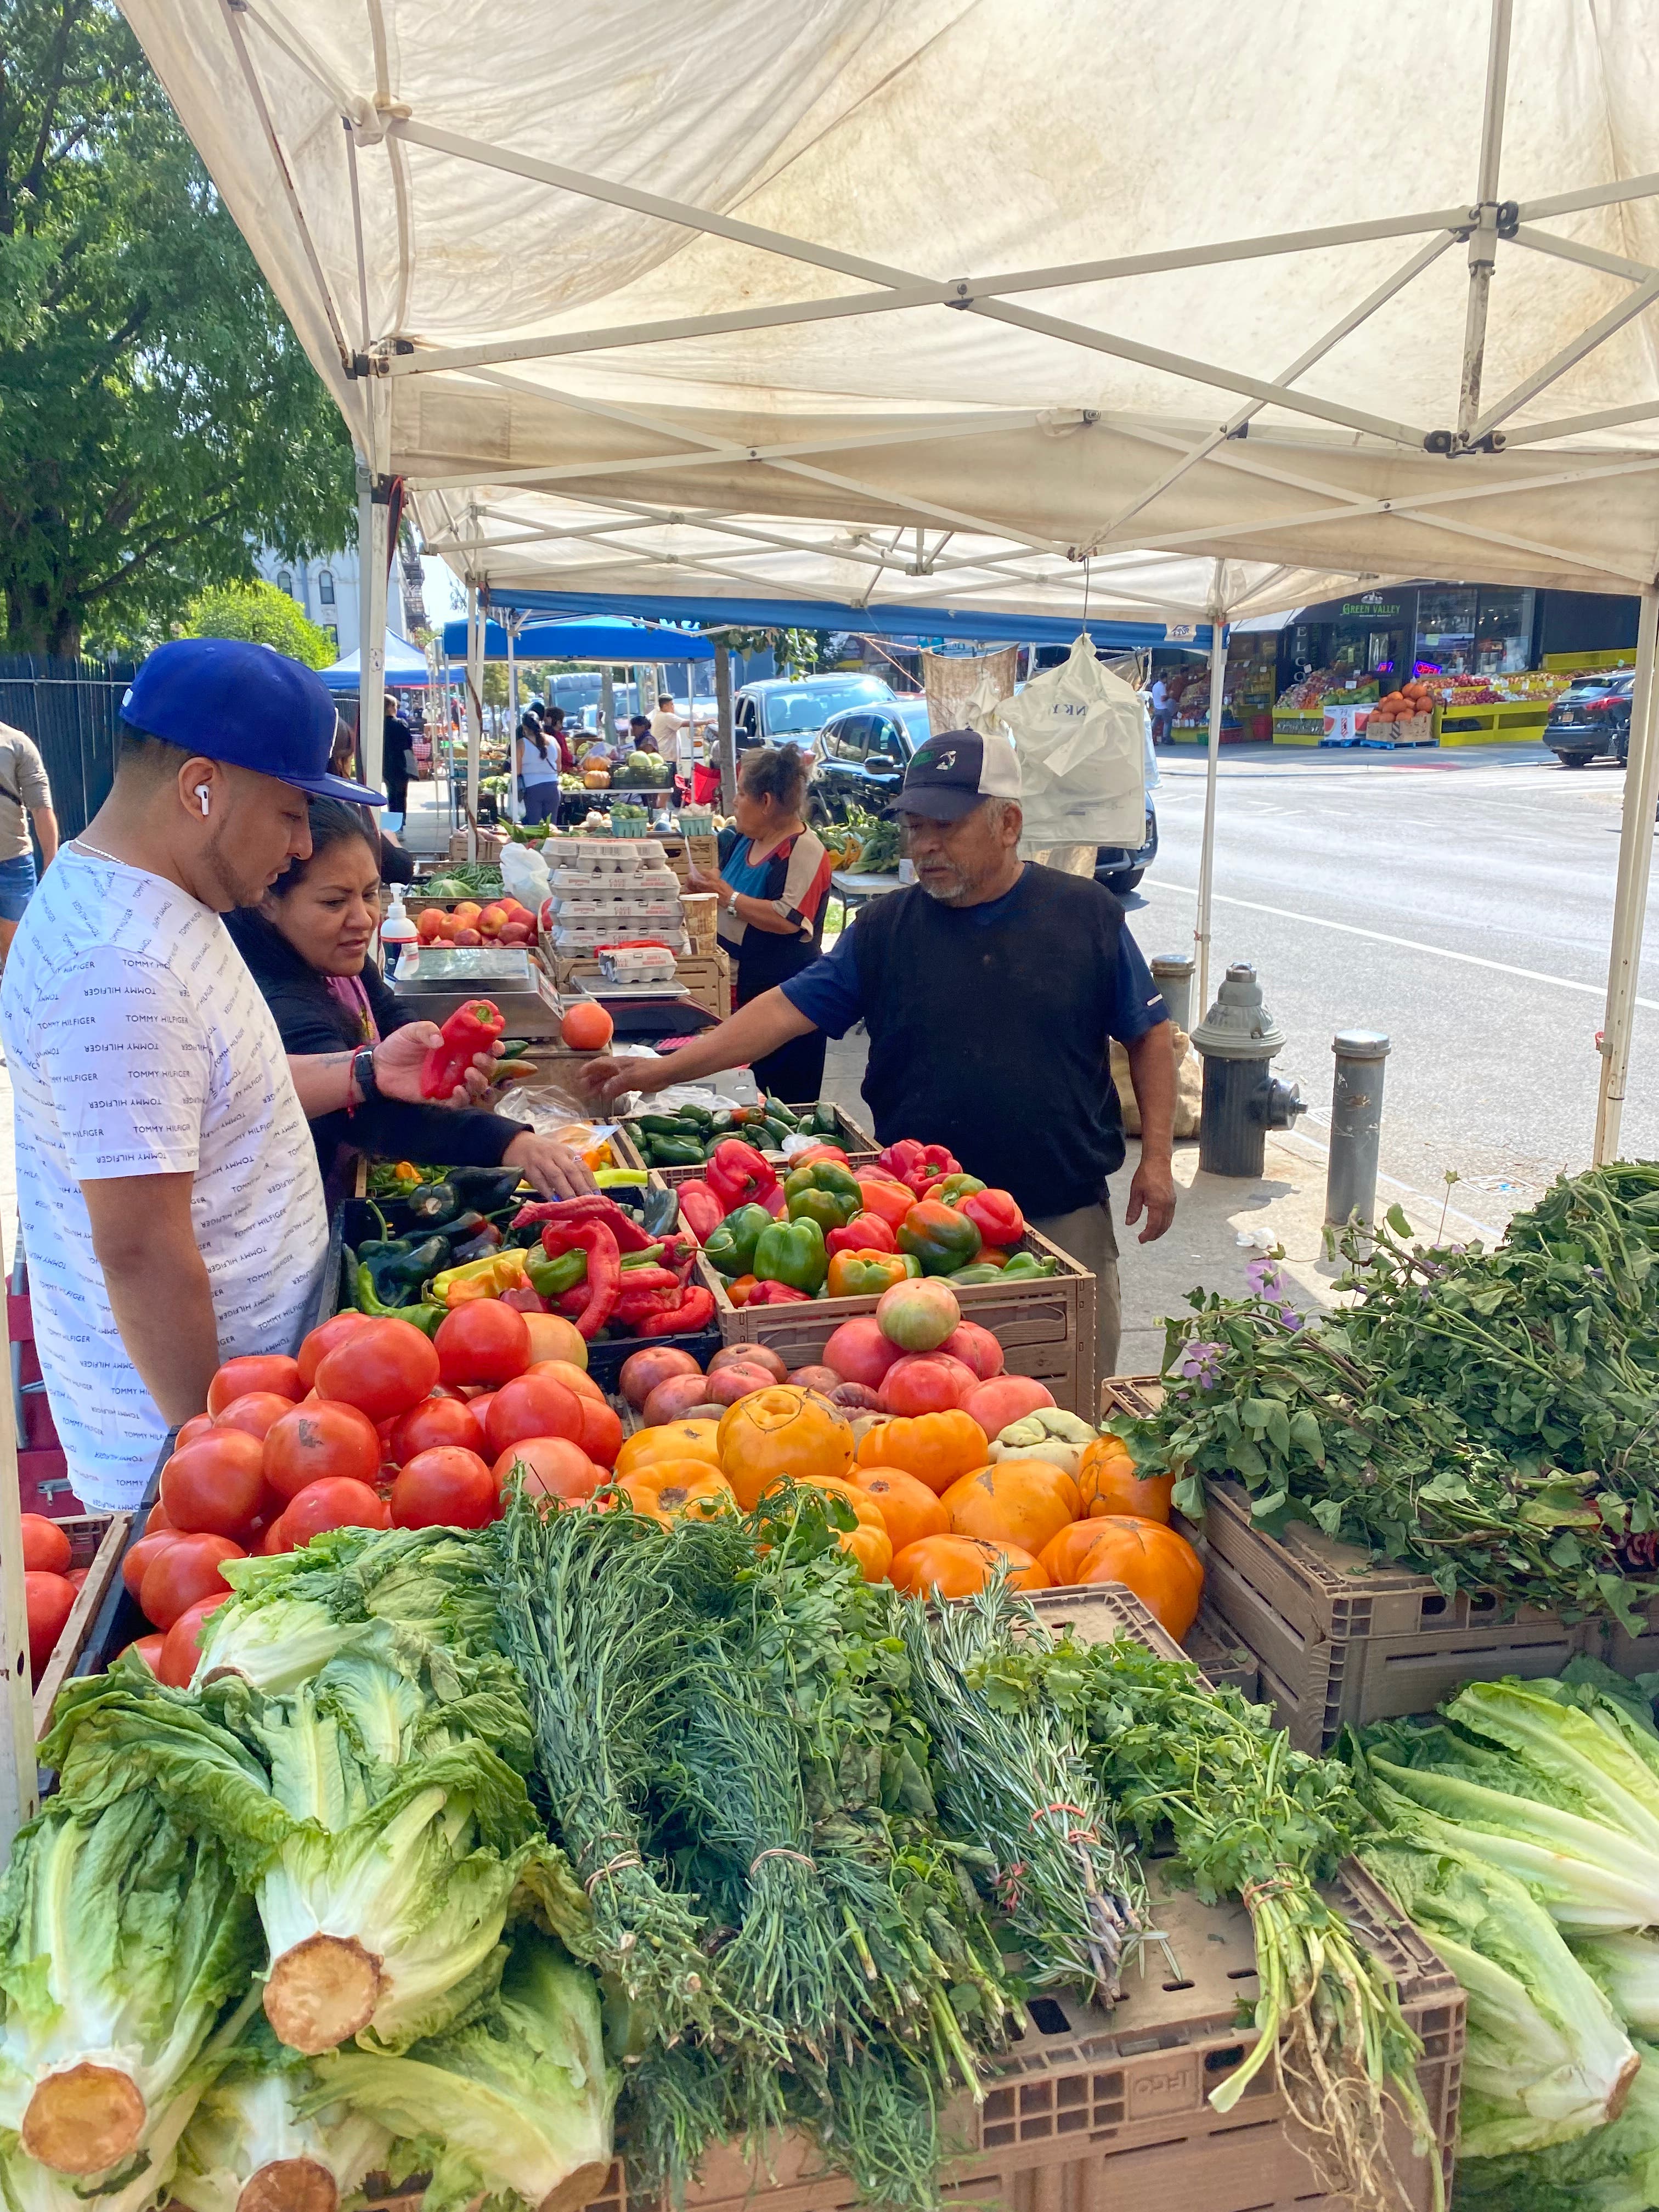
x=399, y=1058
x=556, y=1171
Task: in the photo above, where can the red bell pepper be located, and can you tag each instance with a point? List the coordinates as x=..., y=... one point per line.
x=994, y=1213
x=700, y=1209
x=885, y=1194
x=604, y=1275
x=865, y=1233
x=553, y=1213
x=776, y=1294
x=470, y=1030
x=825, y=1151
x=917, y=1165
x=738, y=1175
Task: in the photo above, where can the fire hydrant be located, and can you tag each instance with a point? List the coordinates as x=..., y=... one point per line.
x=1236, y=1041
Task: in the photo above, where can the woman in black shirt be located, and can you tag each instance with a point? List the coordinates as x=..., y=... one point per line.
x=307, y=944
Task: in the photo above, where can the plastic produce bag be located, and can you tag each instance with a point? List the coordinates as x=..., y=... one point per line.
x=1080, y=736
x=525, y=876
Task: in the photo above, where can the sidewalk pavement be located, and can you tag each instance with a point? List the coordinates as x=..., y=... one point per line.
x=1222, y=1223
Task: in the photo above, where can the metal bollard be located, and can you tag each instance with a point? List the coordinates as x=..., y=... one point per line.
x=1355, y=1126
x=1172, y=972
x=1236, y=1041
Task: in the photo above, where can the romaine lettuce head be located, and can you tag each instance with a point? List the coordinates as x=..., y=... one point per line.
x=250, y=2145
x=513, y=2107
x=1546, y=2060
x=124, y=1942
x=1627, y=1968
x=1614, y=2169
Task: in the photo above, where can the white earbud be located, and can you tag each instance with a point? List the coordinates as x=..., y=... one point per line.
x=202, y=796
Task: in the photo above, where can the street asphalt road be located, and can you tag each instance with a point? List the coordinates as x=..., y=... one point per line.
x=1459, y=900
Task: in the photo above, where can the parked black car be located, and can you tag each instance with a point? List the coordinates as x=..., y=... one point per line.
x=860, y=755
x=1119, y=869
x=1591, y=718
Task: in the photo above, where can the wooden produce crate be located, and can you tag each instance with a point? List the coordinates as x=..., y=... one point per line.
x=1045, y=1324
x=43, y=1480
x=1340, y=1641
x=706, y=977
x=1089, y=2109
x=98, y=1542
x=490, y=845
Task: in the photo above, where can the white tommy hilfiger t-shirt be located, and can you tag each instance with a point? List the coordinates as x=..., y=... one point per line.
x=138, y=1044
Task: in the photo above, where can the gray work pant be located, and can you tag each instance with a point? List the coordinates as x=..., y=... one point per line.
x=1088, y=1238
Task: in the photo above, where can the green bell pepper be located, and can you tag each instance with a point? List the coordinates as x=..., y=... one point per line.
x=950, y=1188
x=825, y=1193
x=981, y=1272
x=941, y=1238
x=1023, y=1266
x=731, y=1248
x=792, y=1252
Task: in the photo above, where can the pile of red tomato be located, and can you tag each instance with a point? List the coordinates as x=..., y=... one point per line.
x=373, y=1425
x=51, y=1586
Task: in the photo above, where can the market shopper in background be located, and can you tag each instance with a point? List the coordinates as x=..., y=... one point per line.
x=1159, y=701
x=307, y=945
x=773, y=882
x=991, y=988
x=538, y=772
x=171, y=1204
x=397, y=763
x=25, y=796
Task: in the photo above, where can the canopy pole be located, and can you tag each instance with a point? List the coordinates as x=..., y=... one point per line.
x=1630, y=898
x=374, y=496
x=726, y=708
x=475, y=642
x=1483, y=239
x=514, y=808
x=1206, y=855
x=18, y=1781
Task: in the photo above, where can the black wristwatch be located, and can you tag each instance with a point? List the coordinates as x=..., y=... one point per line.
x=362, y=1074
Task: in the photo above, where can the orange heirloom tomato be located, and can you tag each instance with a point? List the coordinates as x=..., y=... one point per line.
x=1064, y=1555
x=907, y=1505
x=1018, y=1501
x=785, y=1431
x=956, y=1566
x=938, y=1449
x=872, y=1547
x=1161, y=1568
x=677, y=1486
x=1109, y=1482
x=670, y=1440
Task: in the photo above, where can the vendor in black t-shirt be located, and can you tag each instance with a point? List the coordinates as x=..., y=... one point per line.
x=991, y=989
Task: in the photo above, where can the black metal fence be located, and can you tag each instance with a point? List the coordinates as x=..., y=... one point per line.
x=70, y=709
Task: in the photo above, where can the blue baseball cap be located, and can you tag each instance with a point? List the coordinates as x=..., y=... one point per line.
x=247, y=704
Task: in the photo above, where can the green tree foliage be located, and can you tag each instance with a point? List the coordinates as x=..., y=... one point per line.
x=261, y=615
x=158, y=416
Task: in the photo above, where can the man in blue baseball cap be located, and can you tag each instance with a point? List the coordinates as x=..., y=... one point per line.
x=172, y=1207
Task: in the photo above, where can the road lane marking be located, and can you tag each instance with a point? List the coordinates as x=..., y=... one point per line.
x=1406, y=944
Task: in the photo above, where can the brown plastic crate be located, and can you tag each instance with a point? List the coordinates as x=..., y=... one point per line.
x=97, y=1541
x=1340, y=1641
x=1097, y=1613
x=858, y=1144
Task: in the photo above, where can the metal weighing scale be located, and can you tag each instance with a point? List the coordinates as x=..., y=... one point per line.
x=448, y=975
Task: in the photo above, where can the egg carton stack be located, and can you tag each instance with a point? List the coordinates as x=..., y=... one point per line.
x=608, y=890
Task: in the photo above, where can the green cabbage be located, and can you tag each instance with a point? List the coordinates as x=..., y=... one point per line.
x=1616, y=2169
x=1547, y=2060
x=514, y=2106
x=123, y=1940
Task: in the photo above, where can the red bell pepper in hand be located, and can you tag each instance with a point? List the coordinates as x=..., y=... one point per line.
x=470, y=1030
x=700, y=1209
x=994, y=1213
x=918, y=1166
x=865, y=1233
x=738, y=1175
x=604, y=1275
x=777, y=1294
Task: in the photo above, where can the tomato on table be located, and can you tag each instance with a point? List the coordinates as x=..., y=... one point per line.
x=436, y=1422
x=323, y=1339
x=483, y=1341
x=216, y=1486
x=186, y=1572
x=335, y=1502
x=256, y=1371
x=448, y=1487
x=383, y=1369
x=314, y=1442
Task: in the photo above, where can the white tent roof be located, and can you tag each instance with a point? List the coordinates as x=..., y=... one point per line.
x=763, y=264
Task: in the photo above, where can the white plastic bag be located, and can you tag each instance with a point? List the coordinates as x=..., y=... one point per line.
x=525, y=876
x=1080, y=736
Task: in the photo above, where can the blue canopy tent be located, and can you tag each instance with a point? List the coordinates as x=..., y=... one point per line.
x=603, y=637
x=405, y=668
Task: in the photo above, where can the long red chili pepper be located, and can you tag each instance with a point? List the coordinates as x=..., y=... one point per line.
x=604, y=1275
x=470, y=1030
